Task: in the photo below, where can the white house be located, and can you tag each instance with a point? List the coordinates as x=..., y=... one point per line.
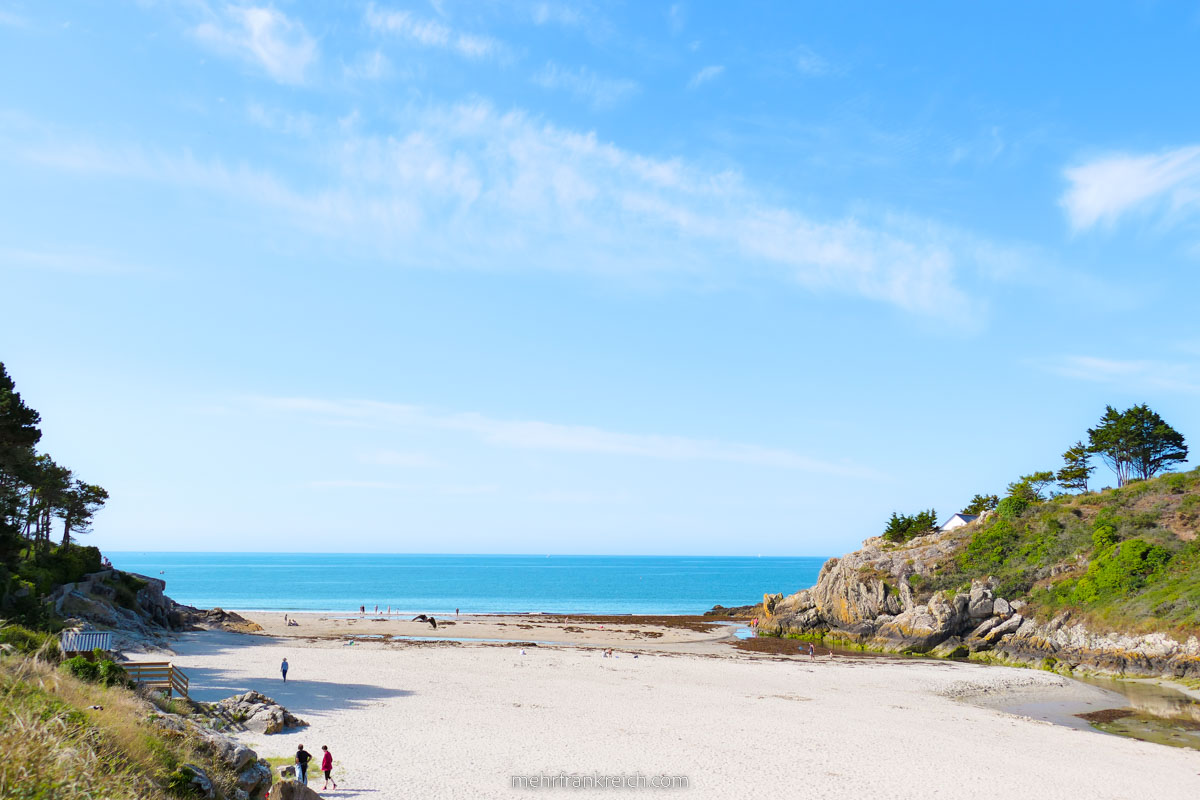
x=958, y=520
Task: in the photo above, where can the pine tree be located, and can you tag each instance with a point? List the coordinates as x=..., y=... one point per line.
x=1076, y=468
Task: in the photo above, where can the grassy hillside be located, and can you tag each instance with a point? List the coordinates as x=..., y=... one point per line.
x=57, y=745
x=1122, y=559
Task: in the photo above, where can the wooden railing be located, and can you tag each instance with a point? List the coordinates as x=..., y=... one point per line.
x=158, y=675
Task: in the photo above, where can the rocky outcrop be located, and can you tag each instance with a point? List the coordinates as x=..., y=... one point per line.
x=868, y=597
x=220, y=619
x=135, y=608
x=132, y=606
x=252, y=774
x=259, y=713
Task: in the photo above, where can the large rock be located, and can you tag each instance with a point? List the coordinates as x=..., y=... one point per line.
x=292, y=790
x=259, y=713
x=872, y=596
x=253, y=773
x=200, y=784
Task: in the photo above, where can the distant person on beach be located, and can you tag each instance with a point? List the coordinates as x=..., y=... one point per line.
x=812, y=652
x=327, y=768
x=283, y=668
x=302, y=759
x=389, y=611
x=456, y=612
x=376, y=608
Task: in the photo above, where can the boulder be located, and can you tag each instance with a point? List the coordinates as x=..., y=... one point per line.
x=255, y=777
x=287, y=772
x=200, y=784
x=954, y=647
x=292, y=790
x=259, y=713
x=1001, y=607
x=1006, y=627
x=981, y=602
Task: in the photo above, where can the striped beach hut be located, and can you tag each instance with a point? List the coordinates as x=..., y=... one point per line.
x=84, y=642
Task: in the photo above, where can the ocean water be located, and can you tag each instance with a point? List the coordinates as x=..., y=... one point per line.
x=474, y=583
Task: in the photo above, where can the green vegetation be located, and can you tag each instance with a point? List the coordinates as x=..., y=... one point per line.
x=1076, y=469
x=97, y=670
x=1126, y=558
x=981, y=503
x=67, y=739
x=40, y=501
x=1136, y=443
x=902, y=527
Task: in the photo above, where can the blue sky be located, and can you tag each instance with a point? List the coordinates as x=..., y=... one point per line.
x=502, y=276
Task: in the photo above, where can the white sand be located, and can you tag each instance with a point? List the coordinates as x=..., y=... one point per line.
x=446, y=721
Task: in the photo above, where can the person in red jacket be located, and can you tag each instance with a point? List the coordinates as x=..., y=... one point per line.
x=327, y=767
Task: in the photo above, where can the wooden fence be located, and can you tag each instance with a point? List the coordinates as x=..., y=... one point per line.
x=158, y=675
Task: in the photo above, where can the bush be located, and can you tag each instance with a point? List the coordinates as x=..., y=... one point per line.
x=1011, y=507
x=991, y=547
x=82, y=668
x=22, y=640
x=1120, y=570
x=1103, y=537
x=105, y=672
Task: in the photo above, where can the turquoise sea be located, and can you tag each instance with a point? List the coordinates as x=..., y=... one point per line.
x=473, y=583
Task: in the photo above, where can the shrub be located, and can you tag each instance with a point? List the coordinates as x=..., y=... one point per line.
x=1121, y=569
x=1103, y=537
x=113, y=674
x=82, y=668
x=105, y=672
x=1011, y=507
x=25, y=641
x=991, y=547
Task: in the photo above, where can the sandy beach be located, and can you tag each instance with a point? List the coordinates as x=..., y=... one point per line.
x=417, y=718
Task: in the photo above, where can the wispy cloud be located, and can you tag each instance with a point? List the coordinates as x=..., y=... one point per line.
x=263, y=36
x=410, y=488
x=558, y=13
x=396, y=458
x=585, y=84
x=808, y=62
x=1105, y=189
x=1129, y=374
x=469, y=187
x=11, y=20
x=550, y=436
x=430, y=33
x=370, y=66
x=77, y=261
x=705, y=75
x=677, y=17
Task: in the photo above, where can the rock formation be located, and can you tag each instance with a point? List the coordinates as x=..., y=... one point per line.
x=868, y=597
x=253, y=774
x=135, y=609
x=259, y=713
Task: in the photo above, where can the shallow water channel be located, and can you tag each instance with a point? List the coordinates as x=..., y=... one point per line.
x=1150, y=712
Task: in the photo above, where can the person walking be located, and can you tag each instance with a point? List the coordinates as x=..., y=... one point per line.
x=284, y=668
x=302, y=759
x=327, y=768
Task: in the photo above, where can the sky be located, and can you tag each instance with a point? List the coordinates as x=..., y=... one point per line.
x=618, y=278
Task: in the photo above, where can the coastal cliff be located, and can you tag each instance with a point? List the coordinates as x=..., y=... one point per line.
x=1103, y=582
x=134, y=608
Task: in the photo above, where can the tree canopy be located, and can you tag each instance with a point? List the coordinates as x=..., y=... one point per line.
x=1032, y=487
x=981, y=503
x=35, y=491
x=902, y=527
x=1136, y=443
x=1076, y=468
